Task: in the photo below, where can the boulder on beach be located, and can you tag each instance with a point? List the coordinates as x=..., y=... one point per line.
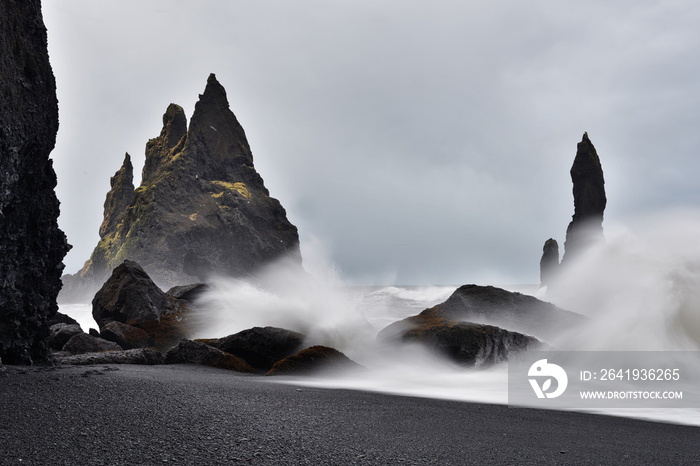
x=84, y=343
x=126, y=336
x=261, y=347
x=489, y=305
x=313, y=361
x=60, y=334
x=130, y=297
x=188, y=351
x=465, y=343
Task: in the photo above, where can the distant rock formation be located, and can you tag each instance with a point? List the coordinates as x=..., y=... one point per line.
x=32, y=247
x=549, y=262
x=586, y=227
x=119, y=197
x=201, y=209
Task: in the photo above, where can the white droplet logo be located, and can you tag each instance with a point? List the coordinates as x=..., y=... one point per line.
x=541, y=369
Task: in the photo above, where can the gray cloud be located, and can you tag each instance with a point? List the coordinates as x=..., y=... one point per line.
x=420, y=142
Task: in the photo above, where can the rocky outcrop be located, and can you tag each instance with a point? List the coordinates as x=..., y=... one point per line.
x=130, y=297
x=201, y=209
x=60, y=334
x=188, y=351
x=84, y=343
x=314, y=360
x=586, y=227
x=31, y=245
x=118, y=198
x=126, y=336
x=465, y=343
x=142, y=356
x=261, y=347
x=488, y=305
x=549, y=263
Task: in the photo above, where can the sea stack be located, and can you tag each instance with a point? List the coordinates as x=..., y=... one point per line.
x=549, y=262
x=32, y=247
x=202, y=209
x=586, y=227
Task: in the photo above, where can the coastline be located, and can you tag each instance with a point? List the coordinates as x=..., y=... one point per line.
x=185, y=414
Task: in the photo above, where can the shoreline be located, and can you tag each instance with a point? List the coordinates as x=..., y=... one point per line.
x=124, y=414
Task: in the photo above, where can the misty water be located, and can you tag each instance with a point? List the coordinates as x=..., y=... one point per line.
x=640, y=290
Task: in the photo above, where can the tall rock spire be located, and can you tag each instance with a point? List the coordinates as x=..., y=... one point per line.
x=586, y=227
x=159, y=149
x=119, y=197
x=202, y=209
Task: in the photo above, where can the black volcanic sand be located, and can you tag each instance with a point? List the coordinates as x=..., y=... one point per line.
x=186, y=414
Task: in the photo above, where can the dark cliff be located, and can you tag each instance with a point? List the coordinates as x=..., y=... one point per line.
x=201, y=209
x=32, y=246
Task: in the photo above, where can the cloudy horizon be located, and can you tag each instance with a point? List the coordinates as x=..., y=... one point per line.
x=414, y=143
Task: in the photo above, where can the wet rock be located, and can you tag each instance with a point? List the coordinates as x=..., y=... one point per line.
x=189, y=293
x=84, y=343
x=61, y=333
x=313, y=361
x=126, y=336
x=188, y=351
x=142, y=356
x=489, y=305
x=261, y=347
x=465, y=343
x=131, y=297
x=32, y=246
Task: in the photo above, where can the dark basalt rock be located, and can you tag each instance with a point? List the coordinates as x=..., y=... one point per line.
x=488, y=305
x=130, y=297
x=84, y=343
x=118, y=198
x=465, y=343
x=261, y=347
x=32, y=246
x=60, y=318
x=314, y=360
x=61, y=333
x=201, y=210
x=126, y=336
x=586, y=227
x=189, y=293
x=549, y=264
x=142, y=356
x=201, y=353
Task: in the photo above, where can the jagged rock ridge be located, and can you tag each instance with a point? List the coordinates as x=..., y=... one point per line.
x=201, y=209
x=32, y=247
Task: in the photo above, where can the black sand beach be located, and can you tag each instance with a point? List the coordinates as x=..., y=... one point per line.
x=184, y=414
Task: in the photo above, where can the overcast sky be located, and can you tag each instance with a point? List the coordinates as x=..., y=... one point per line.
x=414, y=142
